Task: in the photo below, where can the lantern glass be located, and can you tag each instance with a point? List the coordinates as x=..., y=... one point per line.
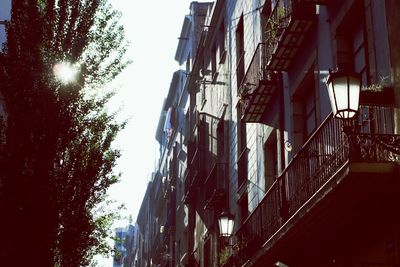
x=344, y=94
x=225, y=221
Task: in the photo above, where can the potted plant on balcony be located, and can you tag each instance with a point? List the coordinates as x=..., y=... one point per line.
x=224, y=256
x=274, y=27
x=381, y=93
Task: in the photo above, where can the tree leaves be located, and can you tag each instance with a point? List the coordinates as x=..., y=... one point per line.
x=57, y=157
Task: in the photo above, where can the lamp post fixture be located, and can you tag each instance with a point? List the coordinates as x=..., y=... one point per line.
x=344, y=93
x=225, y=222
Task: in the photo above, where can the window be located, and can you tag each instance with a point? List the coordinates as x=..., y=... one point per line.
x=351, y=42
x=359, y=53
x=239, y=52
x=222, y=49
x=304, y=110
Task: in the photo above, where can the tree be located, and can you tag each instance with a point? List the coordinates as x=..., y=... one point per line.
x=56, y=156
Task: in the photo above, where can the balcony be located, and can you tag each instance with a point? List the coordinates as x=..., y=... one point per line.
x=333, y=175
x=170, y=226
x=286, y=30
x=195, y=172
x=257, y=87
x=216, y=186
x=196, y=167
x=156, y=247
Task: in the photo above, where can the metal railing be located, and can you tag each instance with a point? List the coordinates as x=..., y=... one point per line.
x=196, y=166
x=256, y=71
x=326, y=151
x=277, y=22
x=288, y=18
x=261, y=224
x=216, y=184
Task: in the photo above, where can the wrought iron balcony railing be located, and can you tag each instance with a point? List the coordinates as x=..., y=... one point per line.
x=216, y=185
x=286, y=29
x=368, y=138
x=258, y=86
x=156, y=246
x=197, y=167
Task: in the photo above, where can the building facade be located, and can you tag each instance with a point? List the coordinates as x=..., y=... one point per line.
x=260, y=141
x=125, y=246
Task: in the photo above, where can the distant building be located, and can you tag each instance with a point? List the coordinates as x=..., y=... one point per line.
x=145, y=227
x=125, y=245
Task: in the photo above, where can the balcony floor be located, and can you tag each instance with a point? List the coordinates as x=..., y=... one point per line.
x=255, y=106
x=290, y=42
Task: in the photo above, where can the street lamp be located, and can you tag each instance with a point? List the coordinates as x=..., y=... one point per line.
x=225, y=221
x=344, y=93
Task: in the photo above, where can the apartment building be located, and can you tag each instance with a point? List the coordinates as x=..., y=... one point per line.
x=143, y=221
x=329, y=185
x=309, y=175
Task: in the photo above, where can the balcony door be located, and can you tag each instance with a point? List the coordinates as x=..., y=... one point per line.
x=304, y=110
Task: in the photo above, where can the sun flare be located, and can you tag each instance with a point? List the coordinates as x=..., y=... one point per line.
x=66, y=72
